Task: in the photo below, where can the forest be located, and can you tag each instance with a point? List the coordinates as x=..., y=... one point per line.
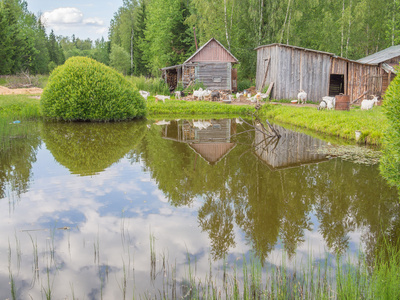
x=146, y=35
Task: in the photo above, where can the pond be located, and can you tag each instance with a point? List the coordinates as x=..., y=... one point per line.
x=108, y=211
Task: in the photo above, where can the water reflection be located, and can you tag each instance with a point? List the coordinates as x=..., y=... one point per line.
x=290, y=150
x=226, y=199
x=90, y=148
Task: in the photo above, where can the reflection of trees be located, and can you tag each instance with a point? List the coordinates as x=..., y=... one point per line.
x=269, y=205
x=216, y=217
x=89, y=148
x=17, y=159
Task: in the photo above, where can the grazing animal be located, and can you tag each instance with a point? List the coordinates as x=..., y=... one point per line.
x=162, y=98
x=369, y=104
x=329, y=102
x=301, y=97
x=215, y=95
x=179, y=94
x=238, y=95
x=201, y=94
x=144, y=94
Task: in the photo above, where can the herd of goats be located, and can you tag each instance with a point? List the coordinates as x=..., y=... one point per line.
x=327, y=102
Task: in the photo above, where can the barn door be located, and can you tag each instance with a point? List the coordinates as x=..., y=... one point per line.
x=234, y=80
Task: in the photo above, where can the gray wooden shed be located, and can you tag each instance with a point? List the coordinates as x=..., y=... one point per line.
x=318, y=73
x=211, y=64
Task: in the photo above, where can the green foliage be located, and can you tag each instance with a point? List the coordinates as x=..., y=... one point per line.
x=83, y=89
x=153, y=85
x=119, y=59
x=245, y=84
x=390, y=161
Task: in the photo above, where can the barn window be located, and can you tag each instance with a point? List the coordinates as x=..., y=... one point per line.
x=217, y=79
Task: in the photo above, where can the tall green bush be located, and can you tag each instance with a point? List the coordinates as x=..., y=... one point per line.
x=85, y=90
x=390, y=161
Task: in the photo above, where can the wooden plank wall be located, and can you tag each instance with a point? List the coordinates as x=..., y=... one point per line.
x=209, y=73
x=293, y=69
x=364, y=78
x=292, y=149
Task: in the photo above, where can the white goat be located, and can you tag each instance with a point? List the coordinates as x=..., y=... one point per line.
x=327, y=102
x=179, y=94
x=368, y=104
x=301, y=97
x=144, y=94
x=201, y=94
x=162, y=98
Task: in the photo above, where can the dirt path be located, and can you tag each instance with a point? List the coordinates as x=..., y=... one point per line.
x=25, y=91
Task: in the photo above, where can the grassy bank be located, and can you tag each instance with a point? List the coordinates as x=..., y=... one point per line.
x=343, y=124
x=180, y=107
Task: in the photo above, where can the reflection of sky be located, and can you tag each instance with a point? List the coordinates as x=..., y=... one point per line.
x=111, y=217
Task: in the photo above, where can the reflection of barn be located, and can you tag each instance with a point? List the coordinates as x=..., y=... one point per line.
x=292, y=149
x=211, y=64
x=208, y=138
x=320, y=74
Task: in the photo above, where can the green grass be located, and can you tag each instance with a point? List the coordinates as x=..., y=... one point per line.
x=14, y=107
x=180, y=107
x=343, y=124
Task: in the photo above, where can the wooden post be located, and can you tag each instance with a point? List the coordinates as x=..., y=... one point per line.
x=265, y=75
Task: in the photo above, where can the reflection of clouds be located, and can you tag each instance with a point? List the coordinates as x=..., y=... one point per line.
x=112, y=235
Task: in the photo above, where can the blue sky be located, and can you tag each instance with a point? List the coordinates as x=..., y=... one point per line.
x=84, y=18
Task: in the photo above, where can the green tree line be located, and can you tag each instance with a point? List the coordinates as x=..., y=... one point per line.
x=146, y=35
x=158, y=33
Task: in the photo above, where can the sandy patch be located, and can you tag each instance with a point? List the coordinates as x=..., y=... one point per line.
x=25, y=91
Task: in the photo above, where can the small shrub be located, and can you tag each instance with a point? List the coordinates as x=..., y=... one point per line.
x=85, y=90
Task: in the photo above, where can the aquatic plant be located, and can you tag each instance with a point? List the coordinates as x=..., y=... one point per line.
x=85, y=90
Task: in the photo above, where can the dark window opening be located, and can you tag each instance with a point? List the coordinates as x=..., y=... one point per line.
x=336, y=84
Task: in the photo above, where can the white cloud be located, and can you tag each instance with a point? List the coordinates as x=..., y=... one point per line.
x=63, y=15
x=93, y=21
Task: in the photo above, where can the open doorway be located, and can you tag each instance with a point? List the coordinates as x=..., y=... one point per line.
x=336, y=84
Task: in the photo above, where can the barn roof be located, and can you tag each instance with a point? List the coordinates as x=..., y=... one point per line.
x=212, y=152
x=381, y=56
x=315, y=51
x=295, y=47
x=205, y=53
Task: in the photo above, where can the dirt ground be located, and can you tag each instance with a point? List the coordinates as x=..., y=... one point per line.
x=25, y=91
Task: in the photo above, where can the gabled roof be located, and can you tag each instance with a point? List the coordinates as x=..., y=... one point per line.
x=205, y=47
x=381, y=56
x=212, y=153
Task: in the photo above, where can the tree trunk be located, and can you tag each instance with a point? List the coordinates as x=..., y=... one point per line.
x=226, y=27
x=131, y=50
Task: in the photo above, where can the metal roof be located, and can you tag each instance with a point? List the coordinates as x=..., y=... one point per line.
x=381, y=56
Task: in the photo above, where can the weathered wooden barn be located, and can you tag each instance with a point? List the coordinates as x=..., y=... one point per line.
x=211, y=64
x=318, y=73
x=386, y=59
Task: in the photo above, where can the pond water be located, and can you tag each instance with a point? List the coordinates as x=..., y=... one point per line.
x=106, y=211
